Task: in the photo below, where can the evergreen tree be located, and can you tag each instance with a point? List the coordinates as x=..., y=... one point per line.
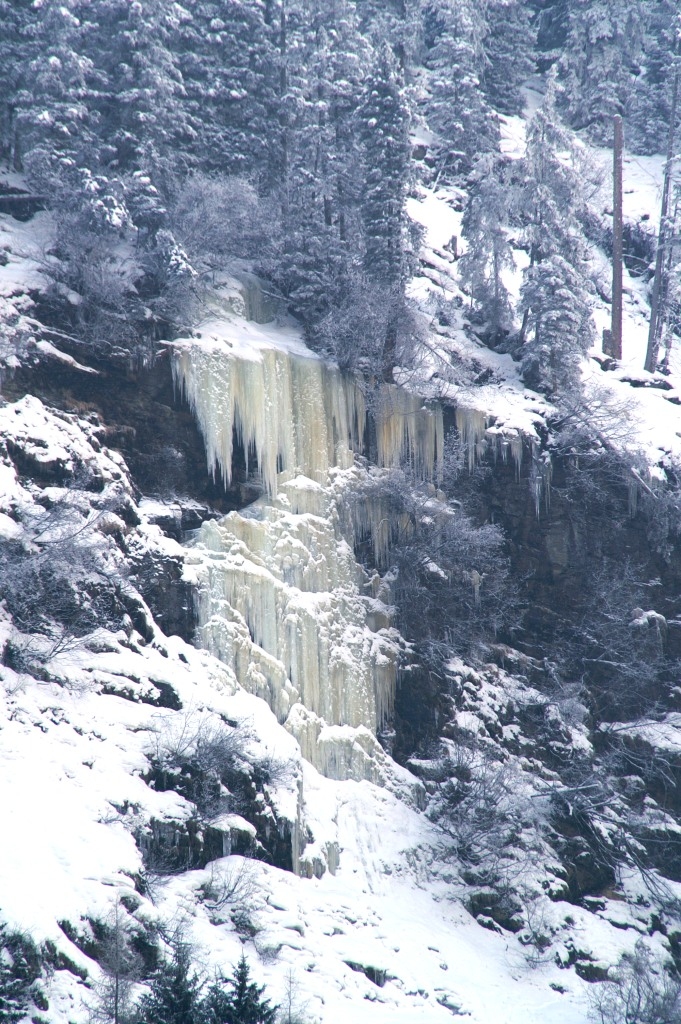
x=648, y=107
x=244, y=1003
x=489, y=251
x=552, y=194
x=227, y=58
x=550, y=22
x=143, y=114
x=17, y=50
x=559, y=327
x=216, y=1008
x=55, y=119
x=601, y=61
x=556, y=327
x=322, y=228
x=175, y=995
x=384, y=130
x=456, y=107
x=509, y=54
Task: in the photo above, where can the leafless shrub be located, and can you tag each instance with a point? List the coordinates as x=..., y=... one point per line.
x=112, y=997
x=293, y=1008
x=58, y=584
x=639, y=991
x=217, y=219
x=475, y=808
x=194, y=754
x=232, y=883
x=452, y=585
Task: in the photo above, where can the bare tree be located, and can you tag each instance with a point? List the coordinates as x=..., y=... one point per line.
x=121, y=970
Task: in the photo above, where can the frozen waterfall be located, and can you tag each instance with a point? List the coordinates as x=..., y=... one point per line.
x=281, y=597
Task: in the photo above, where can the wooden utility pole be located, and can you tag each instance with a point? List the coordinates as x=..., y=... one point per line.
x=657, y=310
x=617, y=245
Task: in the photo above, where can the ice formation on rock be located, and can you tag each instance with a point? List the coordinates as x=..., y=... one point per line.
x=297, y=414
x=281, y=597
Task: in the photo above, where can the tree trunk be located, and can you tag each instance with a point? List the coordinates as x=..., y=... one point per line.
x=657, y=310
x=617, y=246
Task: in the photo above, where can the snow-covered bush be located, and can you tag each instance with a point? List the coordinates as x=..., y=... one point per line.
x=19, y=969
x=195, y=756
x=638, y=991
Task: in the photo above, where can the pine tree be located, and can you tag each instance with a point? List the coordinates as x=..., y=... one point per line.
x=244, y=1002
x=550, y=21
x=175, y=995
x=556, y=323
x=456, y=106
x=228, y=61
x=600, y=61
x=216, y=1007
x=509, y=54
x=648, y=106
x=384, y=130
x=17, y=50
x=55, y=119
x=488, y=252
x=322, y=228
x=19, y=968
x=551, y=200
x=559, y=327
x=143, y=114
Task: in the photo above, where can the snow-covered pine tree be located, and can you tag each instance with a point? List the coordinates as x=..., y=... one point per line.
x=600, y=61
x=17, y=50
x=509, y=54
x=550, y=22
x=384, y=132
x=648, y=105
x=456, y=107
x=175, y=991
x=145, y=117
x=488, y=251
x=559, y=328
x=552, y=192
x=228, y=60
x=245, y=1002
x=309, y=268
x=55, y=118
x=556, y=323
x=19, y=968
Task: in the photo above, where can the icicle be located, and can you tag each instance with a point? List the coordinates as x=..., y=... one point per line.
x=540, y=477
x=633, y=488
x=472, y=424
x=299, y=414
x=291, y=412
x=409, y=431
